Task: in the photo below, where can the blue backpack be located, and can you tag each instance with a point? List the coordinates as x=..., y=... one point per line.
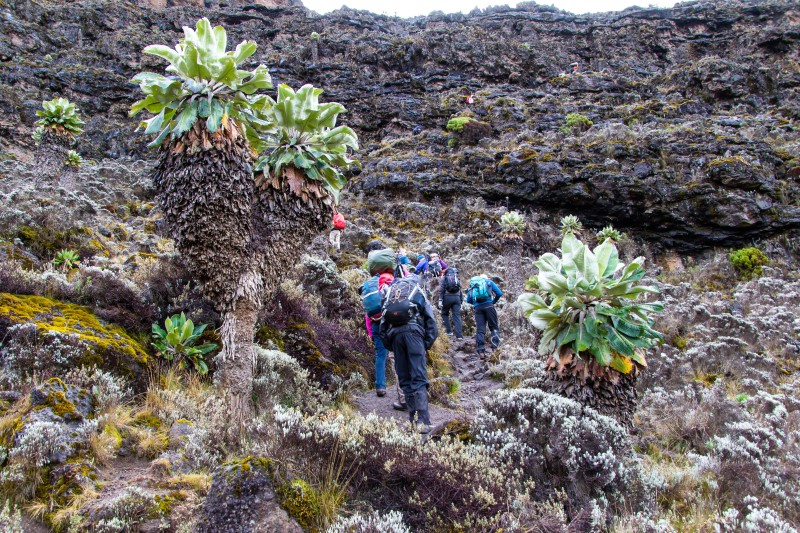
x=371, y=297
x=479, y=288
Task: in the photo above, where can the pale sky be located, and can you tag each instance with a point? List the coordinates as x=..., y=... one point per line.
x=413, y=8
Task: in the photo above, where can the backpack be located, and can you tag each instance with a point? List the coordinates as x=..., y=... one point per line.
x=371, y=297
x=338, y=221
x=479, y=288
x=450, y=283
x=399, y=271
x=435, y=268
x=398, y=307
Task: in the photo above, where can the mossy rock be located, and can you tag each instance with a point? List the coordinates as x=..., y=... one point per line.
x=302, y=502
x=299, y=340
x=242, y=500
x=108, y=346
x=11, y=252
x=53, y=394
x=46, y=242
x=270, y=337
x=64, y=483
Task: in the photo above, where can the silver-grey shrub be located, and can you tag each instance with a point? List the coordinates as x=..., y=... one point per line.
x=558, y=443
x=391, y=522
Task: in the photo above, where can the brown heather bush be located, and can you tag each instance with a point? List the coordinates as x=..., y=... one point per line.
x=437, y=485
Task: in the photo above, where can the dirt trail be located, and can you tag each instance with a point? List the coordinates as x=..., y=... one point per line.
x=470, y=371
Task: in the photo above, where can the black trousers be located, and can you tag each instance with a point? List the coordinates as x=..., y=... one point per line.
x=486, y=316
x=412, y=373
x=451, y=305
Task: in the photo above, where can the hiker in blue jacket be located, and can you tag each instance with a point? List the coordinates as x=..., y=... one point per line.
x=483, y=294
x=422, y=265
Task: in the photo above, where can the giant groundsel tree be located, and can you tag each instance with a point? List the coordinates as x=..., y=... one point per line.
x=235, y=232
x=58, y=125
x=595, y=329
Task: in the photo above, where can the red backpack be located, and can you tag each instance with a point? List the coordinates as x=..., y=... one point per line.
x=338, y=221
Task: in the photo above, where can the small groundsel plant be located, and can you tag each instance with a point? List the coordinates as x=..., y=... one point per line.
x=611, y=233
x=304, y=142
x=570, y=224
x=585, y=303
x=60, y=116
x=74, y=159
x=175, y=342
x=66, y=260
x=206, y=84
x=37, y=134
x=748, y=262
x=512, y=223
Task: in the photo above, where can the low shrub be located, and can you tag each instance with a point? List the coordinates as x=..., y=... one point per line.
x=558, y=443
x=391, y=522
x=435, y=484
x=577, y=122
x=748, y=262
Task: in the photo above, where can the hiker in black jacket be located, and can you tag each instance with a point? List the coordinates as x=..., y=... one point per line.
x=409, y=329
x=450, y=299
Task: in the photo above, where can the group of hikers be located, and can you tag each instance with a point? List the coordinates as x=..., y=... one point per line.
x=400, y=318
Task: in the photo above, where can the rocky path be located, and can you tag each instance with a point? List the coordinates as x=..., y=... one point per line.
x=470, y=371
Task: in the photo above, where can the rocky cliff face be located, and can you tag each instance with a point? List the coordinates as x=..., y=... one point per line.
x=693, y=110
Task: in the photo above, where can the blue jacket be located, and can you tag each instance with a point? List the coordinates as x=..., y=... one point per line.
x=493, y=289
x=422, y=267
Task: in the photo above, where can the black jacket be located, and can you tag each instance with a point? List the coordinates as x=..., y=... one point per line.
x=424, y=324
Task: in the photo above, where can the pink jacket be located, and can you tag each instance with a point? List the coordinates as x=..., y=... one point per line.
x=386, y=279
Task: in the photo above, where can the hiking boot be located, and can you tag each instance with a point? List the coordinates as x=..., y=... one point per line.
x=399, y=406
x=423, y=428
x=380, y=392
x=482, y=356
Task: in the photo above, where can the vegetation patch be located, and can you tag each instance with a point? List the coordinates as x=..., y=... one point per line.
x=70, y=319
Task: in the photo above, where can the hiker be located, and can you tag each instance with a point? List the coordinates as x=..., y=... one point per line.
x=436, y=266
x=402, y=257
x=450, y=299
x=483, y=294
x=380, y=264
x=422, y=265
x=339, y=224
x=574, y=67
x=402, y=264
x=408, y=327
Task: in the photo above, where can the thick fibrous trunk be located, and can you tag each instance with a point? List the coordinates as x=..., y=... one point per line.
x=51, y=154
x=237, y=359
x=205, y=184
x=601, y=388
x=285, y=223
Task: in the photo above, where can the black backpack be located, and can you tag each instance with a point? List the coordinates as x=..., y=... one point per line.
x=398, y=307
x=435, y=268
x=450, y=283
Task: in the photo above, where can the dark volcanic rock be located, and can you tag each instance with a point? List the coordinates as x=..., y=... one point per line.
x=668, y=91
x=242, y=500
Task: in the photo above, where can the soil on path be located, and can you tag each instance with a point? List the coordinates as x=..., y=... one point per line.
x=470, y=371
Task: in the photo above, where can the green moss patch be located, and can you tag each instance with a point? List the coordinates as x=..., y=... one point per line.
x=71, y=319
